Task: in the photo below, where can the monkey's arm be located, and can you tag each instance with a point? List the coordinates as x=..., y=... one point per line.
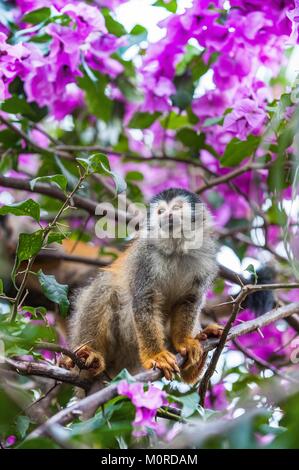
x=183, y=321
x=150, y=332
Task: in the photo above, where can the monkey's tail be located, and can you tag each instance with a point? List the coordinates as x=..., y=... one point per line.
x=262, y=301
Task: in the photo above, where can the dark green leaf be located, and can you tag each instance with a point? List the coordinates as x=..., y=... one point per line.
x=97, y=101
x=191, y=138
x=29, y=245
x=15, y=105
x=23, y=423
x=38, y=443
x=143, y=120
x=251, y=269
x=29, y=208
x=237, y=150
x=54, y=291
x=184, y=91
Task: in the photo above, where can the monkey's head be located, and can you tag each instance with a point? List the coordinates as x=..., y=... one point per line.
x=176, y=214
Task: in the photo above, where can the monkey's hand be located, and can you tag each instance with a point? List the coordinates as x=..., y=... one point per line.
x=165, y=361
x=92, y=360
x=211, y=331
x=192, y=350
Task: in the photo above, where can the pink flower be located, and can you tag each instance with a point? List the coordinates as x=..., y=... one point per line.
x=216, y=398
x=10, y=441
x=146, y=404
x=247, y=117
x=11, y=58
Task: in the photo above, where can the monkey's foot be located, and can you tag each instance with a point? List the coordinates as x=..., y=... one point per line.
x=91, y=359
x=165, y=361
x=66, y=363
x=192, y=349
x=211, y=331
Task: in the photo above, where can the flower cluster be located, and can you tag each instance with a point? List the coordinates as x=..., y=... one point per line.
x=146, y=404
x=77, y=40
x=238, y=41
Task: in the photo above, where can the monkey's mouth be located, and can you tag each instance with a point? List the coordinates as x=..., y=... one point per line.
x=172, y=226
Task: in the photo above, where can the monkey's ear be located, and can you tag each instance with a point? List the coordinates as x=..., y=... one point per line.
x=262, y=301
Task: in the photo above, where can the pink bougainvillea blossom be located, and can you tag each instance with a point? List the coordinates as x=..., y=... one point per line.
x=146, y=404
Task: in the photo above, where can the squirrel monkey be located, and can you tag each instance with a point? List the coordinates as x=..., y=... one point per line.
x=146, y=306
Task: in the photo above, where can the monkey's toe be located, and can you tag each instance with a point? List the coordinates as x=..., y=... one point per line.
x=164, y=361
x=211, y=331
x=66, y=363
x=191, y=348
x=93, y=360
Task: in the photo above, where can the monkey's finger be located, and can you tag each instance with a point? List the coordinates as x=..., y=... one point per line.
x=168, y=374
x=66, y=363
x=173, y=364
x=202, y=337
x=182, y=351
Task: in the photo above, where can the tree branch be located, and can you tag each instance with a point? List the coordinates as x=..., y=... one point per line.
x=99, y=398
x=45, y=370
x=245, y=291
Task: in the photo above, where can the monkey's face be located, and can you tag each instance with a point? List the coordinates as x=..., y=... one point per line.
x=169, y=216
x=175, y=213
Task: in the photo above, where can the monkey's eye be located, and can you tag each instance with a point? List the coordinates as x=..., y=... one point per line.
x=176, y=207
x=161, y=210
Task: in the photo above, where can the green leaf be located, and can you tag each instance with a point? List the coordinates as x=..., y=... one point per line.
x=184, y=90
x=1, y=286
x=113, y=26
x=191, y=138
x=54, y=291
x=213, y=121
x=134, y=176
x=38, y=443
x=97, y=101
x=251, y=269
x=57, y=237
x=190, y=403
x=29, y=245
x=138, y=30
x=22, y=423
x=123, y=375
x=170, y=5
x=277, y=215
x=99, y=163
x=237, y=150
x=59, y=181
x=174, y=121
x=37, y=16
x=25, y=208
x=143, y=120
x=15, y=105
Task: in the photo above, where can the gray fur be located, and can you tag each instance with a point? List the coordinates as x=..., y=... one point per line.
x=153, y=281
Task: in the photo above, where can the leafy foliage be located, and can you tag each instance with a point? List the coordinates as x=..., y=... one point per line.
x=89, y=109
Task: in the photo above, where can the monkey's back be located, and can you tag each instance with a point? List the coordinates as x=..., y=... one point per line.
x=103, y=319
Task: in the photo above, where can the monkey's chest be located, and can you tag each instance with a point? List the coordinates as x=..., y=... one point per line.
x=176, y=281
